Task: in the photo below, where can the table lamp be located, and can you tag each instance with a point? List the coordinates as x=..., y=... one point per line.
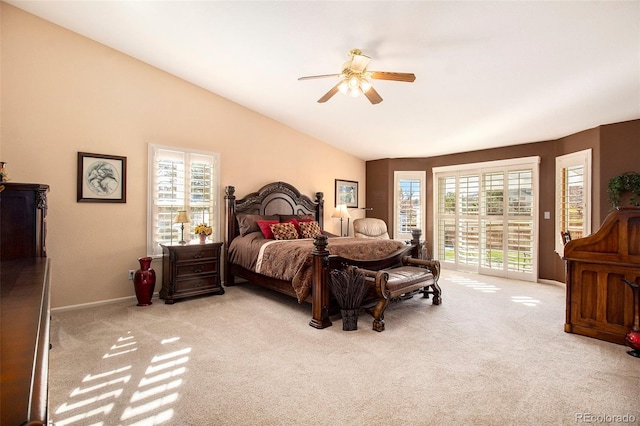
x=342, y=213
x=182, y=218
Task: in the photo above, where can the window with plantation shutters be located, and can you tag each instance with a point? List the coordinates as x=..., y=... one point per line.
x=181, y=180
x=485, y=219
x=409, y=205
x=573, y=196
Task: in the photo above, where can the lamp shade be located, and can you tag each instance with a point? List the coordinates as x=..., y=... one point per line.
x=181, y=217
x=341, y=212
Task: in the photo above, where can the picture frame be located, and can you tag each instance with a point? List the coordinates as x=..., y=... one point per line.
x=101, y=178
x=347, y=193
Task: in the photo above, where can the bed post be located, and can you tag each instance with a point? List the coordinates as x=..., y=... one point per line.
x=230, y=230
x=320, y=287
x=415, y=242
x=320, y=211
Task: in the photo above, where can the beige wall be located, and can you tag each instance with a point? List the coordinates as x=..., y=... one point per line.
x=63, y=93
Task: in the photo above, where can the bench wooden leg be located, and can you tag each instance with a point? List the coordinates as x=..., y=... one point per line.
x=436, y=294
x=435, y=290
x=378, y=314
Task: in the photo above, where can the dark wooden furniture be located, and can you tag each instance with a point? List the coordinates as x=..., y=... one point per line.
x=599, y=303
x=415, y=275
x=284, y=199
x=23, y=213
x=190, y=270
x=24, y=346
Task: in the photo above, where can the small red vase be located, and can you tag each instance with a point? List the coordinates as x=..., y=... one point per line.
x=144, y=281
x=632, y=338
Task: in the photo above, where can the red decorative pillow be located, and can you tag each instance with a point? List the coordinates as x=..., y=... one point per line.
x=310, y=229
x=284, y=231
x=265, y=227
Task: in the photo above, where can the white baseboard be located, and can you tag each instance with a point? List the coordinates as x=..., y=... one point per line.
x=552, y=282
x=91, y=304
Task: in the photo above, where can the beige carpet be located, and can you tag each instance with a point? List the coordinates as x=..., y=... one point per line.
x=494, y=353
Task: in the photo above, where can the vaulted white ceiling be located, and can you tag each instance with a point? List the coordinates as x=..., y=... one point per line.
x=488, y=74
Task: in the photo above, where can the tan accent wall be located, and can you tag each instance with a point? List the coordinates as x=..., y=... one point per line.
x=63, y=93
x=615, y=151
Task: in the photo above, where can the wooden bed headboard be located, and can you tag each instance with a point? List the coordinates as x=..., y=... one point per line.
x=273, y=198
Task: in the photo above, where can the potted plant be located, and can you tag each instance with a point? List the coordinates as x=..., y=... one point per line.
x=628, y=182
x=203, y=231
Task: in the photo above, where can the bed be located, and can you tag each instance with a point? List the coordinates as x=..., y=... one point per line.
x=250, y=255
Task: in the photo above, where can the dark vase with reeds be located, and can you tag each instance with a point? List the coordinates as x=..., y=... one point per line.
x=348, y=287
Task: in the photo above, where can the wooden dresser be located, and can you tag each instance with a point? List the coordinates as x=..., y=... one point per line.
x=190, y=270
x=24, y=350
x=24, y=304
x=599, y=303
x=23, y=219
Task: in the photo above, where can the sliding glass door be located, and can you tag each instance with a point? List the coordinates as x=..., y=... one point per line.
x=486, y=219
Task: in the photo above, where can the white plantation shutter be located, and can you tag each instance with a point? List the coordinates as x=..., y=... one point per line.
x=410, y=204
x=180, y=180
x=573, y=196
x=486, y=217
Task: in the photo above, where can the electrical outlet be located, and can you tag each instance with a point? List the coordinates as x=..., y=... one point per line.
x=132, y=272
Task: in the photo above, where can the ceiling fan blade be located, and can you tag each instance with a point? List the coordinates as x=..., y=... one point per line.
x=395, y=76
x=329, y=94
x=310, y=77
x=373, y=96
x=359, y=62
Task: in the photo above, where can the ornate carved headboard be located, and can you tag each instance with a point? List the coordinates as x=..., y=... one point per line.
x=273, y=198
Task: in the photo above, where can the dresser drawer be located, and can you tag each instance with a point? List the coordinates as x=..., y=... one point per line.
x=197, y=253
x=188, y=284
x=191, y=268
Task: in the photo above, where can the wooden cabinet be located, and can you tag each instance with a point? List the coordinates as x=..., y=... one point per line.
x=599, y=303
x=24, y=342
x=24, y=304
x=23, y=213
x=190, y=270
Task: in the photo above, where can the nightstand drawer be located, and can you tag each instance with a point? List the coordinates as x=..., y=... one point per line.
x=196, y=268
x=197, y=254
x=195, y=283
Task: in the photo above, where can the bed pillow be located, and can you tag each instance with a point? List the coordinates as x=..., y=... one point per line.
x=248, y=223
x=310, y=229
x=265, y=227
x=284, y=231
x=298, y=217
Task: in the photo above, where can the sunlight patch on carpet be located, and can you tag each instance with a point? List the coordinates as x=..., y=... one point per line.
x=149, y=403
x=474, y=284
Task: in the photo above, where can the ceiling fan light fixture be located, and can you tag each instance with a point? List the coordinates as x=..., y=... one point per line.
x=343, y=87
x=364, y=85
x=355, y=79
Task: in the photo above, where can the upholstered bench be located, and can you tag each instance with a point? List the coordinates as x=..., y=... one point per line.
x=415, y=275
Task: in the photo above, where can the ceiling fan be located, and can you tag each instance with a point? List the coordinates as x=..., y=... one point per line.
x=354, y=78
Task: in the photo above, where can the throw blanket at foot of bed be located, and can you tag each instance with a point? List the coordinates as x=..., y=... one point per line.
x=291, y=260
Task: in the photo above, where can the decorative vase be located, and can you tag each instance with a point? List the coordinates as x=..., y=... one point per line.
x=203, y=238
x=144, y=281
x=349, y=319
x=633, y=335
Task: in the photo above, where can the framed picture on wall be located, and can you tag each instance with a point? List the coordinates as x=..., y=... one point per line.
x=102, y=178
x=347, y=193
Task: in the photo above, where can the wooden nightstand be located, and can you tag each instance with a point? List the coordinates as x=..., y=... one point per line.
x=190, y=270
